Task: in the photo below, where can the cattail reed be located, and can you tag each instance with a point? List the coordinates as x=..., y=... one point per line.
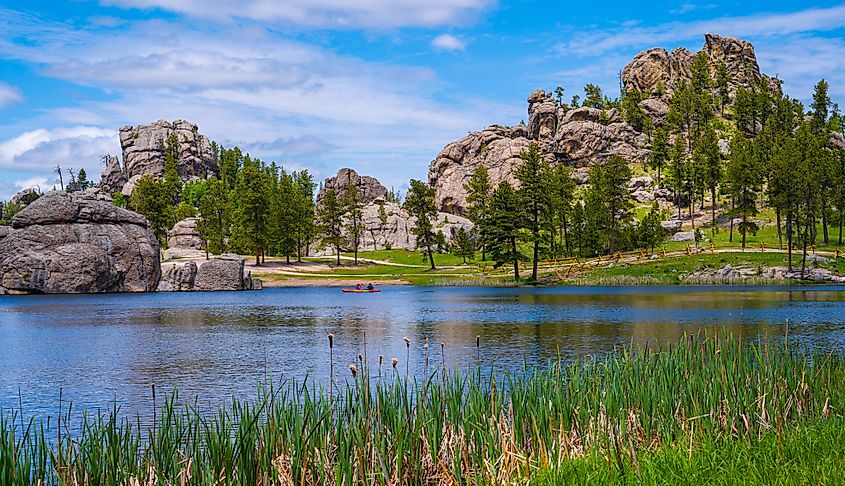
x=478, y=348
x=353, y=369
x=331, y=367
x=408, y=355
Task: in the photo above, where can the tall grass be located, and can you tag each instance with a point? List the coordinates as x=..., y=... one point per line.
x=473, y=427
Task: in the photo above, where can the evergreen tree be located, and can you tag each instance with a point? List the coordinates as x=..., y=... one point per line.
x=634, y=115
x=534, y=194
x=214, y=226
x=659, y=151
x=152, y=198
x=505, y=215
x=709, y=160
x=561, y=198
x=610, y=183
x=677, y=176
x=251, y=209
x=593, y=97
x=479, y=191
x=743, y=182
x=285, y=214
x=420, y=204
x=821, y=106
x=355, y=214
x=722, y=85
x=463, y=245
x=304, y=197
x=650, y=231
x=330, y=214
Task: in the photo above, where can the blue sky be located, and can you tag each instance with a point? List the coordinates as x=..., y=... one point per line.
x=377, y=85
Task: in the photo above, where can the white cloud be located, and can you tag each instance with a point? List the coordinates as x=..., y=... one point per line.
x=9, y=95
x=345, y=14
x=447, y=42
x=37, y=182
x=757, y=25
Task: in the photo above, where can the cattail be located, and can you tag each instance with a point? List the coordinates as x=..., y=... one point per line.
x=407, y=342
x=360, y=357
x=380, y=359
x=477, y=340
x=394, y=362
x=353, y=369
x=331, y=341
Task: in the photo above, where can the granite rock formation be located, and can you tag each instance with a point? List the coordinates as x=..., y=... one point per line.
x=67, y=243
x=223, y=272
x=143, y=153
x=184, y=235
x=369, y=188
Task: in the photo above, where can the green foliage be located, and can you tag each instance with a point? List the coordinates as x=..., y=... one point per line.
x=184, y=211
x=506, y=214
x=119, y=200
x=534, y=193
x=479, y=192
x=821, y=105
x=7, y=211
x=153, y=199
x=634, y=115
x=650, y=232
x=593, y=97
x=330, y=217
x=659, y=151
x=420, y=204
x=193, y=192
x=743, y=183
x=608, y=202
x=215, y=222
x=463, y=246
x=251, y=209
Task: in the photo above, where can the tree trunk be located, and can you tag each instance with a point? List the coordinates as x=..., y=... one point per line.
x=824, y=222
x=515, y=260
x=566, y=236
x=713, y=208
x=535, y=258
x=841, y=221
x=430, y=256
x=731, y=237
x=780, y=233
x=789, y=238
x=298, y=250
x=691, y=208
x=257, y=257
x=744, y=230
x=337, y=252
x=804, y=252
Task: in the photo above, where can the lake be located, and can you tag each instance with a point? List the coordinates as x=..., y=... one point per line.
x=105, y=348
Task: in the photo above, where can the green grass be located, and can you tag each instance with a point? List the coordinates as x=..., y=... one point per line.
x=409, y=257
x=805, y=454
x=471, y=427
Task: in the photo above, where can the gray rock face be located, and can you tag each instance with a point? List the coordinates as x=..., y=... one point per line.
x=177, y=276
x=684, y=236
x=25, y=197
x=143, y=153
x=113, y=178
x=579, y=138
x=224, y=272
x=395, y=232
x=5, y=231
x=655, y=67
x=369, y=188
x=65, y=243
x=495, y=147
x=184, y=235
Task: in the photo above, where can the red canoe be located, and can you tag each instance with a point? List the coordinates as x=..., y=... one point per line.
x=362, y=291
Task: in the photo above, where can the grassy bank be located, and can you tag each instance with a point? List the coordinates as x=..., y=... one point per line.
x=603, y=418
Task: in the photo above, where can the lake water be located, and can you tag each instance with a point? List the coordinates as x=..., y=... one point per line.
x=106, y=348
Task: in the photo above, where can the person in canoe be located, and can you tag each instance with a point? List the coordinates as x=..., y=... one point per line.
x=358, y=287
x=370, y=286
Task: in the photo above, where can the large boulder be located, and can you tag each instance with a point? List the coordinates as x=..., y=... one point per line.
x=542, y=115
x=224, y=272
x=369, y=188
x=177, y=276
x=66, y=243
x=113, y=178
x=587, y=136
x=143, y=153
x=184, y=235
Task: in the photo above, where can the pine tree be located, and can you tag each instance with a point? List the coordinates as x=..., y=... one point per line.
x=479, y=191
x=659, y=151
x=214, y=226
x=650, y=231
x=463, y=245
x=677, y=176
x=611, y=185
x=505, y=214
x=420, y=204
x=821, y=106
x=722, y=85
x=743, y=181
x=152, y=198
x=562, y=196
x=251, y=209
x=534, y=194
x=709, y=160
x=593, y=97
x=355, y=215
x=330, y=215
x=285, y=214
x=305, y=226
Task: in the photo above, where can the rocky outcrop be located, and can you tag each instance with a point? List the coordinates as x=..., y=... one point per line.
x=184, y=236
x=659, y=72
x=495, y=147
x=730, y=273
x=25, y=197
x=394, y=229
x=113, y=178
x=66, y=243
x=224, y=272
x=143, y=153
x=369, y=188
x=579, y=138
